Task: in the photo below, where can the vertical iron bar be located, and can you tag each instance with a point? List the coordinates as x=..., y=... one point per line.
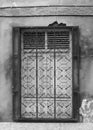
x=36, y=78
x=20, y=69
x=54, y=77
x=46, y=41
x=21, y=52
x=72, y=77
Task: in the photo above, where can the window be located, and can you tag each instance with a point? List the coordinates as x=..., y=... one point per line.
x=45, y=75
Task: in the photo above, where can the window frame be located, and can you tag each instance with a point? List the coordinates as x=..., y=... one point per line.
x=17, y=32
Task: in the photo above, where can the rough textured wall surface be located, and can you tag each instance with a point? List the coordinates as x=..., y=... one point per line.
x=46, y=126
x=86, y=64
x=5, y=3
x=5, y=71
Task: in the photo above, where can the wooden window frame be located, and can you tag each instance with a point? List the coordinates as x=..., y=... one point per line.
x=17, y=73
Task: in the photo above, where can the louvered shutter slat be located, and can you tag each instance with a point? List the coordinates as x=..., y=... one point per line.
x=33, y=40
x=58, y=40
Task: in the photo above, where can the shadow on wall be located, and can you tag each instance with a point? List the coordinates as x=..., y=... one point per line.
x=8, y=67
x=6, y=91
x=86, y=67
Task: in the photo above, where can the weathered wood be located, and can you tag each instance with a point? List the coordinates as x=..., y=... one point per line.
x=16, y=73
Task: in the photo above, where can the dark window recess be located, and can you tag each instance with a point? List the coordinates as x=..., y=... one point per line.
x=58, y=40
x=33, y=40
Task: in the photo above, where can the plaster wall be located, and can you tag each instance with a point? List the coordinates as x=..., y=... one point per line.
x=44, y=126
x=6, y=3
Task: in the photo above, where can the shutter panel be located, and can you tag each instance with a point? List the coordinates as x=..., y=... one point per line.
x=33, y=40
x=16, y=73
x=58, y=40
x=76, y=94
x=61, y=42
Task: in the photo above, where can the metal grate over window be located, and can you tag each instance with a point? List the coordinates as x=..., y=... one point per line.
x=46, y=75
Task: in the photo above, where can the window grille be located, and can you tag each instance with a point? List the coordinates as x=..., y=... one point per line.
x=46, y=86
